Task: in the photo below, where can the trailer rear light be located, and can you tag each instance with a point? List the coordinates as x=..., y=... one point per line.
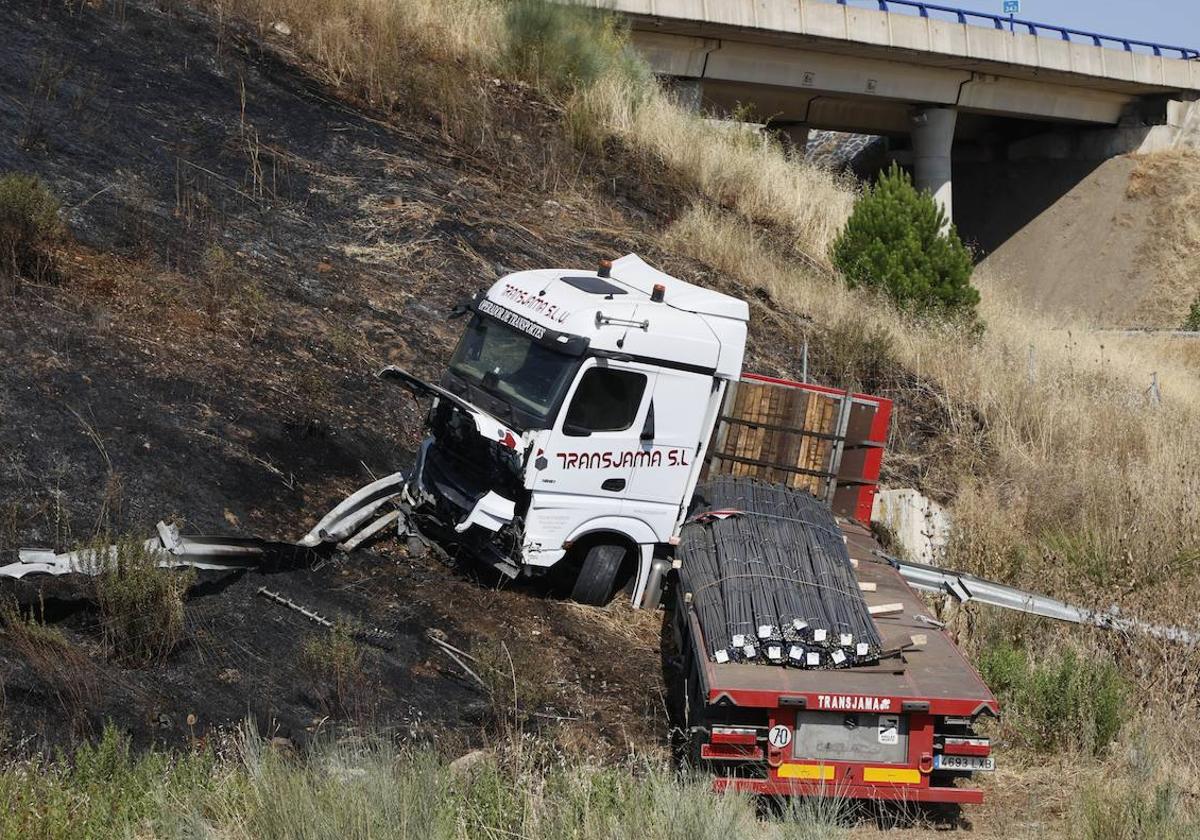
x=967, y=746
x=734, y=735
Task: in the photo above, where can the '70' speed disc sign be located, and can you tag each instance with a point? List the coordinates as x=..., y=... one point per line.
x=779, y=736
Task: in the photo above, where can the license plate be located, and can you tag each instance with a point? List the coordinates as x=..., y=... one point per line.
x=966, y=763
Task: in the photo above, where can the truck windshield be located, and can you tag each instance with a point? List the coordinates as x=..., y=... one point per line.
x=513, y=367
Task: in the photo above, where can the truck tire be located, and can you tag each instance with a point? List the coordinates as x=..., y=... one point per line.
x=598, y=575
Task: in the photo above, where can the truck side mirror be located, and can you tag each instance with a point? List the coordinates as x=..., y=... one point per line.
x=648, y=426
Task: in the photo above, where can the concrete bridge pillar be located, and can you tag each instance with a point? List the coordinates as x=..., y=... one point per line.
x=933, y=140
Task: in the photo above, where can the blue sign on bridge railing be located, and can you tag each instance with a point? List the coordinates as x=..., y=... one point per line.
x=966, y=16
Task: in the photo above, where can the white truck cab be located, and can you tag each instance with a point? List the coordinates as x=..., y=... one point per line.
x=570, y=428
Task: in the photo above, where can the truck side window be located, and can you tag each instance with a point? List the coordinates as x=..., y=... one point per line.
x=606, y=401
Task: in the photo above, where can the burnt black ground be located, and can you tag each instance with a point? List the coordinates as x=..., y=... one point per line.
x=236, y=393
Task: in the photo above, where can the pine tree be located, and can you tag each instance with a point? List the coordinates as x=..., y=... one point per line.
x=897, y=240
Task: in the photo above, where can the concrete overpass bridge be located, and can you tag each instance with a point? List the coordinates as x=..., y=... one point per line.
x=948, y=86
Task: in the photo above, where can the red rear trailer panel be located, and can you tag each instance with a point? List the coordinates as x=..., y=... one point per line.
x=898, y=729
x=918, y=707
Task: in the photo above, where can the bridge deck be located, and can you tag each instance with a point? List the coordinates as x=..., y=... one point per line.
x=1031, y=51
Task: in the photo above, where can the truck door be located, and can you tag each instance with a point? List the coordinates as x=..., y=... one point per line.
x=584, y=467
x=676, y=422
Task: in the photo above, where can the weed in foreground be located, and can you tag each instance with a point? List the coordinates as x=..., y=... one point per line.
x=141, y=605
x=1140, y=796
x=333, y=662
x=28, y=225
x=63, y=669
x=368, y=787
x=518, y=679
x=99, y=791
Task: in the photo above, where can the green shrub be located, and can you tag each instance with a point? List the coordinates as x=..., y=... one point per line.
x=28, y=222
x=101, y=791
x=897, y=241
x=141, y=605
x=1192, y=322
x=334, y=663
x=563, y=48
x=1064, y=701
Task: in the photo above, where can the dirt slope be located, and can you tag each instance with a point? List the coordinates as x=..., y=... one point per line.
x=1082, y=255
x=1113, y=250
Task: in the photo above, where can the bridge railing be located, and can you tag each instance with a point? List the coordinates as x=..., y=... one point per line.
x=966, y=16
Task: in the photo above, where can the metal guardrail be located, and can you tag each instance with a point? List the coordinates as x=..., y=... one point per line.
x=966, y=16
x=964, y=587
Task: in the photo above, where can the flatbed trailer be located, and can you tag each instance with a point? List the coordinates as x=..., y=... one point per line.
x=902, y=728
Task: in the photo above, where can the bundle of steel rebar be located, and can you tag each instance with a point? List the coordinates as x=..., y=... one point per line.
x=771, y=580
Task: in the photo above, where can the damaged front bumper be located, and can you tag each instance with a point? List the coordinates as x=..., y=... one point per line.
x=443, y=506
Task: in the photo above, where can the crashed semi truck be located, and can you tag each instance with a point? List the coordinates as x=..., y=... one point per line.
x=596, y=427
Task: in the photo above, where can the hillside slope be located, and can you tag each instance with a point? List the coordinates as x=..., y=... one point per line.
x=1117, y=250
x=245, y=253
x=264, y=209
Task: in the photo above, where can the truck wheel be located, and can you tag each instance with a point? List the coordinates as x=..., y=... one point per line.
x=598, y=575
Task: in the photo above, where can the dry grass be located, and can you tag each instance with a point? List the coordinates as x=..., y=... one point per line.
x=392, y=52
x=63, y=669
x=1144, y=792
x=745, y=171
x=1171, y=181
x=1082, y=483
